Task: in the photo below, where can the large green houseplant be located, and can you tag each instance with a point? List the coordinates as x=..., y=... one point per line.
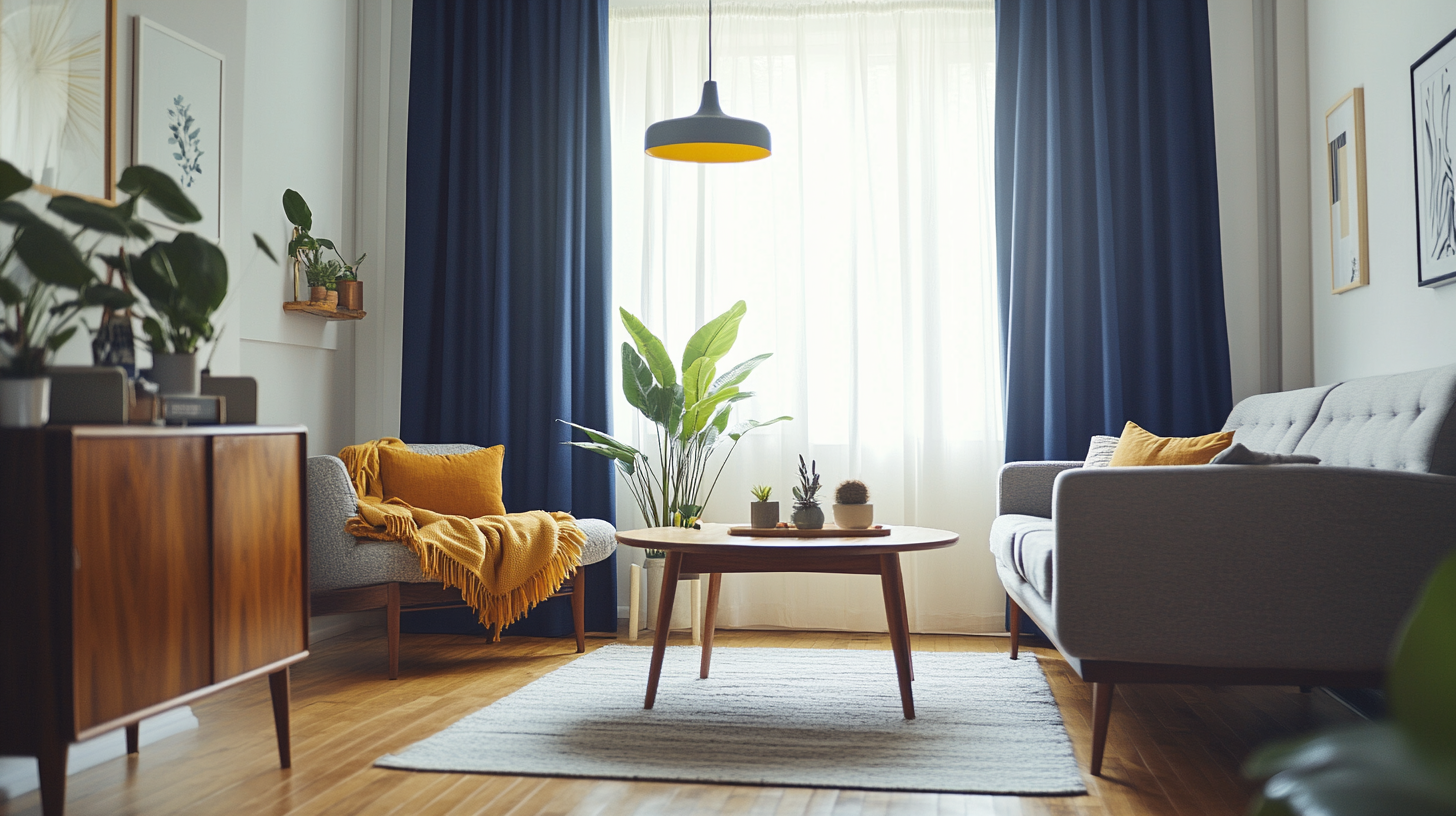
x=692, y=416
x=45, y=284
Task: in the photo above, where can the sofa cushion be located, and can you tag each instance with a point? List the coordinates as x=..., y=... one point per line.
x=1276, y=422
x=1138, y=447
x=452, y=484
x=1396, y=422
x=1024, y=545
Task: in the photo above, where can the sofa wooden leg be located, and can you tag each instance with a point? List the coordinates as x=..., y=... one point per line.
x=391, y=626
x=1101, y=713
x=1015, y=627
x=578, y=607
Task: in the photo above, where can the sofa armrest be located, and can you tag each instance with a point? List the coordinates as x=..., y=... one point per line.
x=331, y=501
x=1303, y=566
x=1025, y=488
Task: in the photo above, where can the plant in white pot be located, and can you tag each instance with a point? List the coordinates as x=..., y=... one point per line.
x=42, y=296
x=852, y=508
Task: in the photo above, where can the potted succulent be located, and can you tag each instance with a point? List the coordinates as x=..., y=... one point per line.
x=852, y=510
x=335, y=282
x=807, y=515
x=762, y=512
x=40, y=302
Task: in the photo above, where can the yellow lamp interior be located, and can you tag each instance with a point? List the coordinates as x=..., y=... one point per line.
x=708, y=152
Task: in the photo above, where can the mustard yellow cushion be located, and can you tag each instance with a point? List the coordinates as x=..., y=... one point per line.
x=1138, y=447
x=455, y=484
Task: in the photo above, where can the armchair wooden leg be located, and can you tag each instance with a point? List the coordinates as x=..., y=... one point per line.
x=578, y=607
x=133, y=738
x=391, y=626
x=1015, y=626
x=1101, y=713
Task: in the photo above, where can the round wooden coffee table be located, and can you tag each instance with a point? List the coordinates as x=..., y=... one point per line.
x=712, y=550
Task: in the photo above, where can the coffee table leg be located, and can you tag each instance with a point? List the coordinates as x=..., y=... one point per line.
x=670, y=571
x=894, y=589
x=710, y=622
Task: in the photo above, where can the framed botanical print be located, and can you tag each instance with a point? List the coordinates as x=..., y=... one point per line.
x=177, y=118
x=58, y=93
x=1345, y=170
x=1433, y=77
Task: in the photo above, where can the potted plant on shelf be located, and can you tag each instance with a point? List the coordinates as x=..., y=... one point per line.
x=692, y=417
x=339, y=279
x=852, y=510
x=807, y=515
x=762, y=512
x=41, y=302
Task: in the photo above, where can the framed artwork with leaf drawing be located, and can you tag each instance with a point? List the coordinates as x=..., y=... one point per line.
x=177, y=118
x=1345, y=169
x=1433, y=78
x=58, y=93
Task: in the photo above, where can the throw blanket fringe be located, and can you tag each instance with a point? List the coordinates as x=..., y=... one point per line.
x=502, y=565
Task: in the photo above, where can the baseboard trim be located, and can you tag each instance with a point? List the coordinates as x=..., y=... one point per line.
x=19, y=776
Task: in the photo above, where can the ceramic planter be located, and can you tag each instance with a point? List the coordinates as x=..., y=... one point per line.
x=808, y=517
x=763, y=514
x=316, y=294
x=25, y=403
x=175, y=374
x=351, y=295
x=331, y=298
x=854, y=516
x=681, y=609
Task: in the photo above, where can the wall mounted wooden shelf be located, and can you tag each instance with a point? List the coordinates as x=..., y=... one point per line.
x=320, y=309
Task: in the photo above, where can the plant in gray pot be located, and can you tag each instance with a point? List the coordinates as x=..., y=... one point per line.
x=807, y=515
x=40, y=298
x=763, y=513
x=852, y=508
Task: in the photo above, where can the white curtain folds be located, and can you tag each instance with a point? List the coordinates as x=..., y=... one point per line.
x=865, y=249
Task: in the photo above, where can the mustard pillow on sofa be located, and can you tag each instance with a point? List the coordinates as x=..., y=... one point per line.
x=455, y=484
x=1138, y=447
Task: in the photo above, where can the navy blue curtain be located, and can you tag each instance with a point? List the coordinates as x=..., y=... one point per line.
x=507, y=246
x=1110, y=274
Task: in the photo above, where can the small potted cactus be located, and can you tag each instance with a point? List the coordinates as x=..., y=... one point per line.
x=807, y=515
x=762, y=512
x=852, y=508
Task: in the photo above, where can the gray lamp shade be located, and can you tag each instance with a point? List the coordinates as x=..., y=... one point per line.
x=710, y=135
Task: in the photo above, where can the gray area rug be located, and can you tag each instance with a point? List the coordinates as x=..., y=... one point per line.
x=826, y=718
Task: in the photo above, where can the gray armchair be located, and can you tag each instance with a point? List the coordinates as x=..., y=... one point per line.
x=1241, y=574
x=352, y=575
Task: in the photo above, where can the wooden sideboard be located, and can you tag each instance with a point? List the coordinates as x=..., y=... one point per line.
x=141, y=569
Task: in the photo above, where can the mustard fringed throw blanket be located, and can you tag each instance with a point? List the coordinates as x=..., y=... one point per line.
x=502, y=565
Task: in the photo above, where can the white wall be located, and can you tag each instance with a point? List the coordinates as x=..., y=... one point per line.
x=1391, y=325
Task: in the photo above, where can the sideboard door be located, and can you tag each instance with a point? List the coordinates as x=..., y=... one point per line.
x=259, y=615
x=142, y=583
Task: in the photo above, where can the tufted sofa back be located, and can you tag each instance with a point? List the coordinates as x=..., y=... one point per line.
x=1394, y=422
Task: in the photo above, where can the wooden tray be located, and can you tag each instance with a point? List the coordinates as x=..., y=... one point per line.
x=829, y=531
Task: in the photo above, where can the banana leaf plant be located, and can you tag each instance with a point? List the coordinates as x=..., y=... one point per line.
x=1404, y=765
x=693, y=417
x=42, y=301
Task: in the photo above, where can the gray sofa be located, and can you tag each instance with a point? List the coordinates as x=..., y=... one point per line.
x=1241, y=574
x=346, y=574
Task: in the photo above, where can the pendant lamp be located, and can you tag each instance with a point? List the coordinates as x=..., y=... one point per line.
x=710, y=135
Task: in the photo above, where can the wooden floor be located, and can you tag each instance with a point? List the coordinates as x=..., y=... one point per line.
x=1172, y=749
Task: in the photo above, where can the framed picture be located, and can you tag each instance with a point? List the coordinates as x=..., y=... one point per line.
x=1345, y=170
x=177, y=118
x=1432, y=79
x=58, y=93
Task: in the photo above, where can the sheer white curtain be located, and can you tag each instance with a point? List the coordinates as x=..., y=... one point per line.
x=865, y=249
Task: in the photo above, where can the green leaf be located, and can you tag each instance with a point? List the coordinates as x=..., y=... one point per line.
x=636, y=378
x=156, y=338
x=12, y=181
x=51, y=257
x=57, y=340
x=201, y=271
x=299, y=215
x=605, y=450
x=325, y=243
x=10, y=294
x=1423, y=672
x=13, y=212
x=696, y=379
x=109, y=296
x=652, y=349
x=159, y=190
x=603, y=439
x=98, y=217
x=716, y=338
x=667, y=407
x=737, y=374
x=698, y=414
x=263, y=245
x=741, y=429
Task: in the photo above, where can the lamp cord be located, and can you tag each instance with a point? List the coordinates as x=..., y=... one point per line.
x=710, y=40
